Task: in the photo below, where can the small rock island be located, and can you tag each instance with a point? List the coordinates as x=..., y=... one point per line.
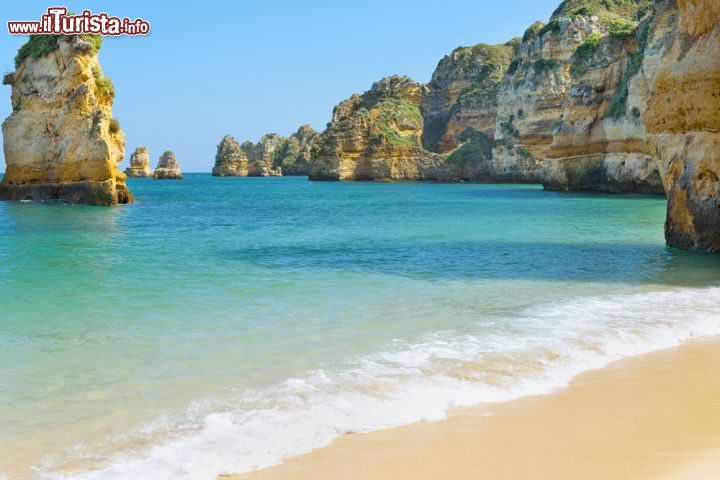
x=167, y=167
x=139, y=164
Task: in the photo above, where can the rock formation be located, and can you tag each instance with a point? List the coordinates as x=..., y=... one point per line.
x=295, y=155
x=682, y=118
x=273, y=155
x=462, y=96
x=167, y=167
x=261, y=156
x=560, y=121
x=139, y=164
x=61, y=141
x=376, y=136
x=230, y=159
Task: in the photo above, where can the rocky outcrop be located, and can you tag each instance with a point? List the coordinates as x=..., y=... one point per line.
x=376, y=136
x=273, y=155
x=462, y=96
x=295, y=155
x=61, y=141
x=563, y=119
x=139, y=164
x=261, y=156
x=167, y=167
x=230, y=159
x=683, y=118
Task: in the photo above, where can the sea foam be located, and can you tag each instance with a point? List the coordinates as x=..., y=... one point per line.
x=535, y=352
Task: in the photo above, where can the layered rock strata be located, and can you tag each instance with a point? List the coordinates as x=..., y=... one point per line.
x=682, y=118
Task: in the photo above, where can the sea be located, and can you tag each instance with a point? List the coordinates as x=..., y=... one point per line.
x=221, y=325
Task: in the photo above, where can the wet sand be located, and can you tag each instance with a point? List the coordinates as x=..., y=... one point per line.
x=655, y=416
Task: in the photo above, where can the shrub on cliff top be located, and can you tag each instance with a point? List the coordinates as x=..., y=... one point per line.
x=532, y=31
x=36, y=47
x=94, y=40
x=606, y=10
x=552, y=26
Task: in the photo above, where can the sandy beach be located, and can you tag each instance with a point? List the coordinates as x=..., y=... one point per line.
x=655, y=416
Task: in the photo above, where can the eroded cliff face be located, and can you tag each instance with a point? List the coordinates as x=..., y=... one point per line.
x=376, y=136
x=61, y=141
x=230, y=159
x=462, y=95
x=295, y=156
x=683, y=119
x=139, y=164
x=167, y=167
x=261, y=155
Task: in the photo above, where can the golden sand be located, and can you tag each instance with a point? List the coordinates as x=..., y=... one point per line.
x=652, y=417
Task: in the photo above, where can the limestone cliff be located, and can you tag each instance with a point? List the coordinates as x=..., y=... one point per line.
x=376, y=136
x=61, y=141
x=295, y=155
x=682, y=69
x=139, y=164
x=261, y=156
x=273, y=155
x=462, y=95
x=598, y=143
x=560, y=121
x=167, y=167
x=230, y=159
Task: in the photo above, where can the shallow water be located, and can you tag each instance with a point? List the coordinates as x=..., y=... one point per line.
x=222, y=324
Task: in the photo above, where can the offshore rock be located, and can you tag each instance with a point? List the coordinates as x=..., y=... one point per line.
x=139, y=164
x=61, y=142
x=167, y=167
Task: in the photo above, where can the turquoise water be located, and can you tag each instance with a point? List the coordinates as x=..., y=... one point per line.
x=221, y=324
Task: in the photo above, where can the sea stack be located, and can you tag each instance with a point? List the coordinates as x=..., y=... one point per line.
x=139, y=164
x=61, y=141
x=167, y=167
x=230, y=160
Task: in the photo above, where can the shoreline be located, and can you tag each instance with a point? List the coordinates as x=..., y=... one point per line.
x=652, y=416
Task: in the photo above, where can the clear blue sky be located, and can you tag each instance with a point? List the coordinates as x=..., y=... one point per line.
x=249, y=68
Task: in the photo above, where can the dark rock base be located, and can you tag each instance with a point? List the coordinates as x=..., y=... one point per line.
x=85, y=192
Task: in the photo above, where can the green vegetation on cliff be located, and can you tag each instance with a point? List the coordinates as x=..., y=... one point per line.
x=477, y=148
x=38, y=46
x=473, y=75
x=532, y=31
x=394, y=114
x=606, y=10
x=588, y=47
x=618, y=104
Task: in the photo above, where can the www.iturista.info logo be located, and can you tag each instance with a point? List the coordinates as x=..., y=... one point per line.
x=57, y=21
